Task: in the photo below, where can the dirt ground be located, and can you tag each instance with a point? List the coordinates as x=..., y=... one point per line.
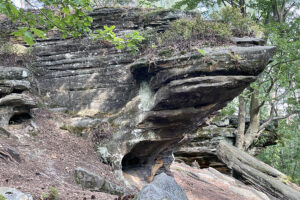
x=50, y=155
x=48, y=158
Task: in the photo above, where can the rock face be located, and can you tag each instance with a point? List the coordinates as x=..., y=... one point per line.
x=202, y=145
x=15, y=102
x=162, y=187
x=13, y=194
x=93, y=182
x=210, y=184
x=149, y=106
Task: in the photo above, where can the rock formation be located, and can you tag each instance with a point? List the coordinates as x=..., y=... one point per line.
x=148, y=105
x=141, y=107
x=201, y=147
x=14, y=101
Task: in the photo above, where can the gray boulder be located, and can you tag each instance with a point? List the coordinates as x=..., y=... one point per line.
x=163, y=187
x=93, y=182
x=13, y=194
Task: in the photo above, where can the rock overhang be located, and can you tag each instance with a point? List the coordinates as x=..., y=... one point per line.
x=152, y=103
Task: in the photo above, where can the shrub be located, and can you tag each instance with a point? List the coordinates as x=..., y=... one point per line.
x=197, y=28
x=53, y=194
x=239, y=25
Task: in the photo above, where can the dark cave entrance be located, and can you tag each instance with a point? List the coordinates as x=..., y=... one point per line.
x=144, y=154
x=19, y=118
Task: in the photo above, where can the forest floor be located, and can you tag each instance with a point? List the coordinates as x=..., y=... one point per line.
x=48, y=159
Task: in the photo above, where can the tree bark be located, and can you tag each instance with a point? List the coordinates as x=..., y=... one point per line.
x=253, y=128
x=243, y=7
x=252, y=171
x=241, y=123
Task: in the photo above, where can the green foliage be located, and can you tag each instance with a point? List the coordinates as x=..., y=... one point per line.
x=68, y=16
x=196, y=28
x=231, y=108
x=53, y=194
x=235, y=57
x=239, y=25
x=131, y=41
x=285, y=155
x=2, y=197
x=201, y=51
x=146, y=3
x=108, y=35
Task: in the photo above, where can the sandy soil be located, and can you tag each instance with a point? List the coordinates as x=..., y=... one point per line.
x=49, y=159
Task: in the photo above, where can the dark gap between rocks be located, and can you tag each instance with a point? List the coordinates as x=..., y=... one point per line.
x=19, y=118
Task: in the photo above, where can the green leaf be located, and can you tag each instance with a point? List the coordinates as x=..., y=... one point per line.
x=202, y=52
x=39, y=33
x=66, y=10
x=90, y=19
x=20, y=32
x=28, y=38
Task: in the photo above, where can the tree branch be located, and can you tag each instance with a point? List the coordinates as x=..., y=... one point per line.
x=45, y=15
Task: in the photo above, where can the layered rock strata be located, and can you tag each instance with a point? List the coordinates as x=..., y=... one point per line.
x=15, y=98
x=201, y=148
x=148, y=106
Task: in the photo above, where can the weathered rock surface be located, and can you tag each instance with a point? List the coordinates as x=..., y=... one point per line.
x=256, y=173
x=210, y=184
x=150, y=104
x=202, y=145
x=13, y=194
x=162, y=187
x=93, y=182
x=145, y=107
x=14, y=101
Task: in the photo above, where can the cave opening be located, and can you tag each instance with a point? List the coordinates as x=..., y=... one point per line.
x=17, y=91
x=130, y=161
x=143, y=154
x=19, y=118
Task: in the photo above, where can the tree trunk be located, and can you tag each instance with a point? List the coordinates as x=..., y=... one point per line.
x=256, y=173
x=241, y=123
x=252, y=131
x=243, y=7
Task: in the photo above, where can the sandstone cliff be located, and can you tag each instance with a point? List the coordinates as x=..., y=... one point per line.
x=142, y=107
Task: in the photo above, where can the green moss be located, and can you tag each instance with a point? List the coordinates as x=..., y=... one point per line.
x=71, y=112
x=2, y=197
x=77, y=180
x=78, y=131
x=166, y=53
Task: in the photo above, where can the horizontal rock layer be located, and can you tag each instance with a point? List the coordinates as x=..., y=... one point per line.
x=15, y=82
x=148, y=106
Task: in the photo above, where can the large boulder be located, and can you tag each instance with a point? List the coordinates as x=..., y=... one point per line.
x=93, y=182
x=163, y=187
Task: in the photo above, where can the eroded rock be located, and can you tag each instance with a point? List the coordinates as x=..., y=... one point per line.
x=93, y=182
x=162, y=187
x=14, y=101
x=150, y=105
x=13, y=194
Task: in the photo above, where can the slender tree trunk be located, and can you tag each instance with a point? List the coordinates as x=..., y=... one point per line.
x=243, y=7
x=241, y=123
x=253, y=128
